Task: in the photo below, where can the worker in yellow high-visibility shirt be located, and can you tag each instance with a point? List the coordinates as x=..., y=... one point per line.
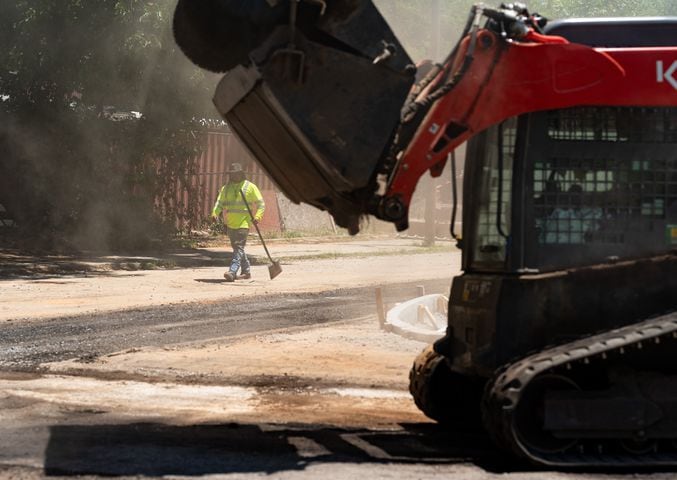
x=238, y=219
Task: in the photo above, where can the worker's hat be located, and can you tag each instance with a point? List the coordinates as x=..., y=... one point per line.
x=235, y=168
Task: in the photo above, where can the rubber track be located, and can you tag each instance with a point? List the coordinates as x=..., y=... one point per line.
x=504, y=393
x=420, y=381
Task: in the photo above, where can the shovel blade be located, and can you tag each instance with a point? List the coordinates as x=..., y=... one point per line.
x=274, y=270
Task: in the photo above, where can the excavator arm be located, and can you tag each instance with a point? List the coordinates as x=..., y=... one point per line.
x=325, y=98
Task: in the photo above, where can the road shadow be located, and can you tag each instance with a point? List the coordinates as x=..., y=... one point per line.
x=149, y=449
x=21, y=265
x=238, y=283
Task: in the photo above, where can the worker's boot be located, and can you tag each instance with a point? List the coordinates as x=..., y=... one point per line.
x=244, y=276
x=229, y=276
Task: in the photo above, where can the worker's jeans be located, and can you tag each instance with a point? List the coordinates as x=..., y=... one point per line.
x=238, y=239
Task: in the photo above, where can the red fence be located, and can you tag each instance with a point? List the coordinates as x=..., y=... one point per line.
x=223, y=149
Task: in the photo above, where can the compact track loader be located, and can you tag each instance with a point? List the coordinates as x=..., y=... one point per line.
x=562, y=334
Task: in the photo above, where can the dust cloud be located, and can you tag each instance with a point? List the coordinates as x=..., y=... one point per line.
x=94, y=98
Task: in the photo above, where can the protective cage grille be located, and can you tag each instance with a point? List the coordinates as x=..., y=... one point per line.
x=494, y=194
x=609, y=173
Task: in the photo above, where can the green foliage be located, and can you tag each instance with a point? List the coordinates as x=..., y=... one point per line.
x=68, y=170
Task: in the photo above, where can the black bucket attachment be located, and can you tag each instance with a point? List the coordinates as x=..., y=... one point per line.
x=318, y=101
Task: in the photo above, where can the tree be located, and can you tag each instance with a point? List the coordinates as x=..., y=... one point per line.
x=67, y=169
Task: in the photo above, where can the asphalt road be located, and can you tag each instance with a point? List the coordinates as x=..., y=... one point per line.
x=25, y=345
x=251, y=450
x=41, y=438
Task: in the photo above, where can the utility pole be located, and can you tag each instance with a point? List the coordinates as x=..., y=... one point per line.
x=428, y=182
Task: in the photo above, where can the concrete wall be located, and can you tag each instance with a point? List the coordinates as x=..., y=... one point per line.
x=302, y=218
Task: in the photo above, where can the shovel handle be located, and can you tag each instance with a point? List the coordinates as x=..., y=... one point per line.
x=256, y=225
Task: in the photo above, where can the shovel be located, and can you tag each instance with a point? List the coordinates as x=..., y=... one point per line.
x=275, y=269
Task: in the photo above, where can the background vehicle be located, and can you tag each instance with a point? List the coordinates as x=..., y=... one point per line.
x=562, y=327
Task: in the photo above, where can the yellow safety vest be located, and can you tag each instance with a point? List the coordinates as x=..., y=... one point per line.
x=230, y=200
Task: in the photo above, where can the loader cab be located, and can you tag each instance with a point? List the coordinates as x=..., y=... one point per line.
x=567, y=188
